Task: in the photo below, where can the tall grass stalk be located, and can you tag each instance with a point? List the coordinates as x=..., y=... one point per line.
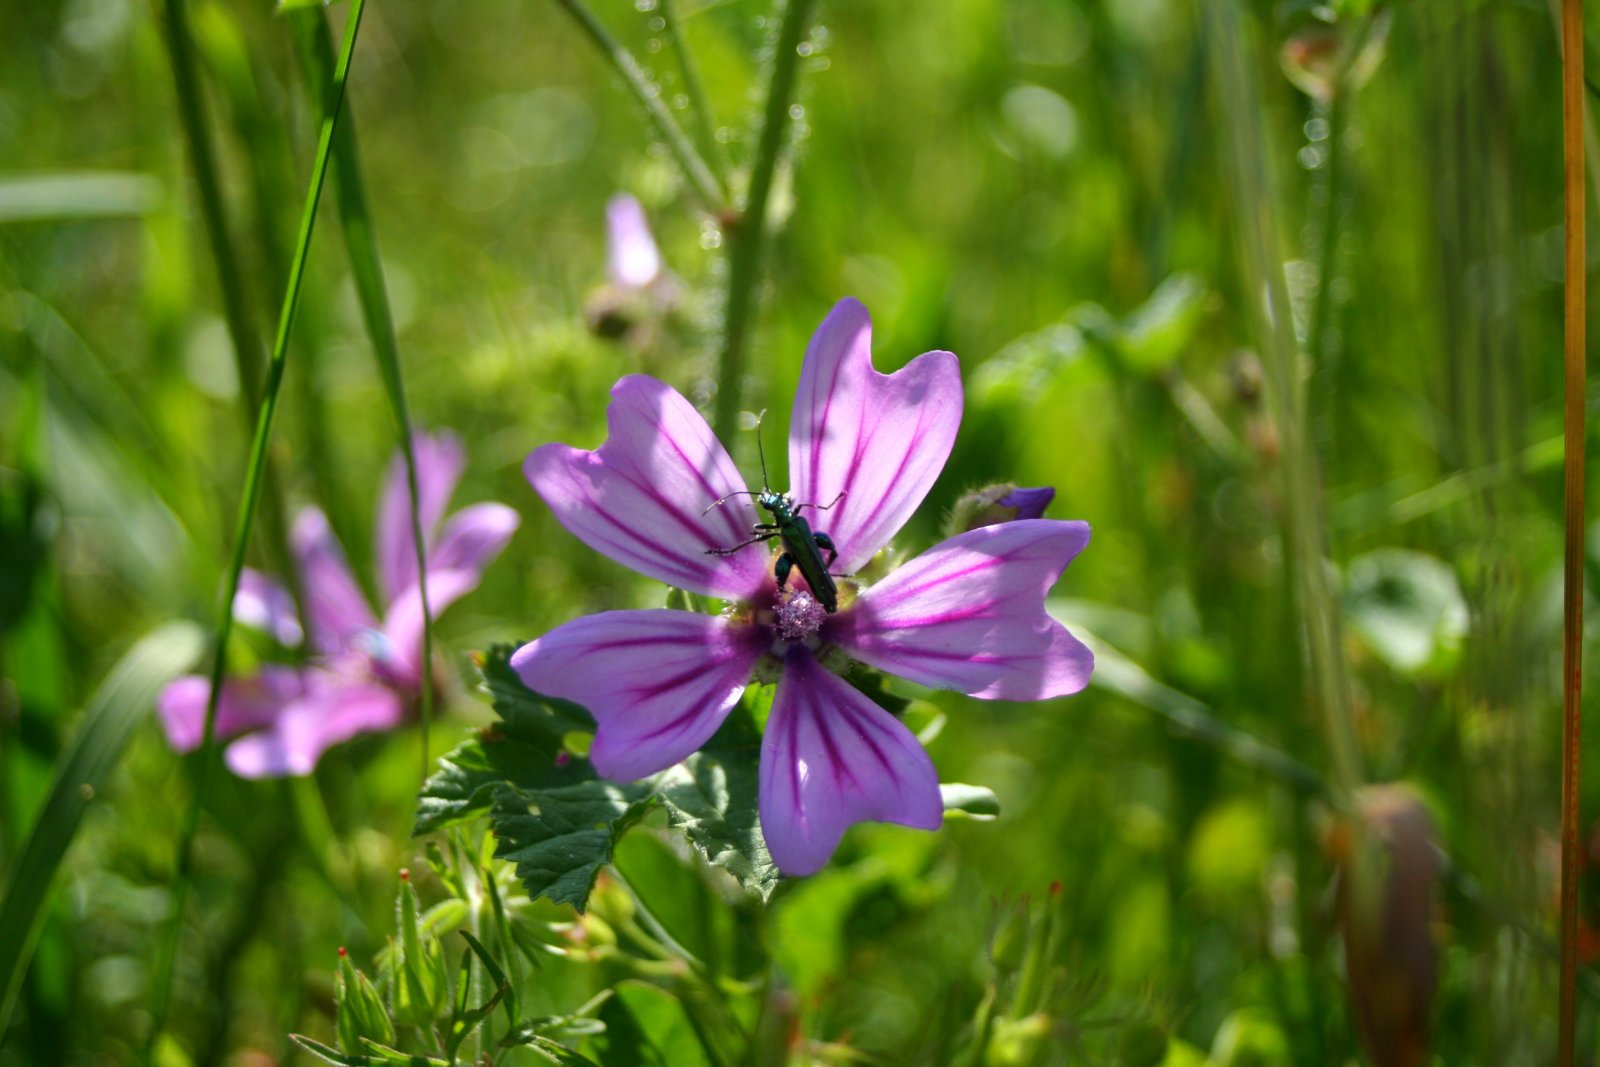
x=1246, y=167
x=695, y=90
x=706, y=186
x=254, y=476
x=1572, y=620
x=117, y=708
x=315, y=45
x=236, y=312
x=748, y=234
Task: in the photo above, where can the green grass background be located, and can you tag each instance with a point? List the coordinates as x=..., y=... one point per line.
x=1012, y=181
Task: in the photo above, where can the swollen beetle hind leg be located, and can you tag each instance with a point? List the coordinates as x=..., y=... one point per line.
x=781, y=570
x=825, y=543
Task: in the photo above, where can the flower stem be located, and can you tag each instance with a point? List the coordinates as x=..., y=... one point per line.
x=1304, y=529
x=747, y=236
x=1572, y=45
x=254, y=476
x=700, y=177
x=236, y=313
x=696, y=91
x=315, y=45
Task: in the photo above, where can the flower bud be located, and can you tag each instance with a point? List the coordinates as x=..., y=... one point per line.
x=361, y=1013
x=1010, y=940
x=1389, y=872
x=423, y=984
x=994, y=504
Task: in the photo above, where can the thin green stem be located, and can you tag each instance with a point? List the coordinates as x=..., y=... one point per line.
x=254, y=477
x=695, y=89
x=236, y=312
x=747, y=236
x=1282, y=362
x=705, y=184
x=315, y=44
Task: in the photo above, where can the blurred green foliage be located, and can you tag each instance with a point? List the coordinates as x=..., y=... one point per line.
x=1035, y=185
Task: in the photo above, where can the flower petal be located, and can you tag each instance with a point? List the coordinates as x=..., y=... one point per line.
x=264, y=604
x=335, y=606
x=397, y=652
x=334, y=709
x=440, y=460
x=473, y=537
x=968, y=614
x=641, y=497
x=832, y=758
x=881, y=439
x=632, y=259
x=246, y=704
x=658, y=683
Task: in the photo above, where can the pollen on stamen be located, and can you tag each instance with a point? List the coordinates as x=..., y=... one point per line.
x=798, y=614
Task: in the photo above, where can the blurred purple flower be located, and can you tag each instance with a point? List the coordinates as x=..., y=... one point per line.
x=632, y=259
x=967, y=615
x=366, y=673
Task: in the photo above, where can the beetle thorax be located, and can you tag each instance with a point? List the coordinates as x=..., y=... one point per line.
x=780, y=506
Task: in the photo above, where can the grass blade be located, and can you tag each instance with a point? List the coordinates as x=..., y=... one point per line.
x=315, y=45
x=117, y=707
x=85, y=195
x=254, y=477
x=747, y=239
x=700, y=177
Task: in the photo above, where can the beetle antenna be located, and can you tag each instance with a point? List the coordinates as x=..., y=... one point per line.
x=723, y=500
x=766, y=483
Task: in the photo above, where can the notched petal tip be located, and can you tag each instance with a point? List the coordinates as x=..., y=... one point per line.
x=832, y=758
x=969, y=615
x=641, y=497
x=880, y=439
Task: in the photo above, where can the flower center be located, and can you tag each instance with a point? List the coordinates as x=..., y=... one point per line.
x=798, y=614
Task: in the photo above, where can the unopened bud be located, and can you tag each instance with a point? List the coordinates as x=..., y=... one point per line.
x=1389, y=874
x=361, y=1013
x=1010, y=940
x=994, y=504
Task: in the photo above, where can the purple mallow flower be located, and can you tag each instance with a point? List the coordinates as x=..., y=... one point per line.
x=632, y=260
x=366, y=673
x=967, y=615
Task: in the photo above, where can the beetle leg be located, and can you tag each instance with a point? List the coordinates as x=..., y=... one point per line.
x=825, y=543
x=781, y=570
x=822, y=507
x=730, y=551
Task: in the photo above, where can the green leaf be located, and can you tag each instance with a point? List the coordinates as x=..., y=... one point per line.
x=648, y=1027
x=117, y=707
x=517, y=750
x=552, y=1050
x=711, y=797
x=379, y=1053
x=330, y=1055
x=83, y=195
x=1161, y=329
x=969, y=801
x=560, y=835
x=527, y=714
x=560, y=823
